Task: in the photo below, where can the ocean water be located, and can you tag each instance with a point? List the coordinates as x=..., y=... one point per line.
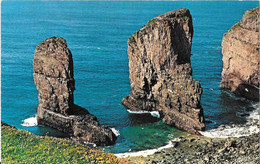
x=97, y=33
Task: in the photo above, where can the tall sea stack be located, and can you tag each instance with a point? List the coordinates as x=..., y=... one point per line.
x=54, y=80
x=240, y=49
x=160, y=71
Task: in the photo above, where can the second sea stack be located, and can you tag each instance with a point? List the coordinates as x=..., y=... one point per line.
x=54, y=80
x=160, y=71
x=240, y=49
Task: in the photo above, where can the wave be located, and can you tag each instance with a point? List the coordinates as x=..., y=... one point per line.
x=89, y=144
x=145, y=153
x=153, y=113
x=29, y=122
x=116, y=132
x=236, y=130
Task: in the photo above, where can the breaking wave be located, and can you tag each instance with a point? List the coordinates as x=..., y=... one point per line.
x=145, y=153
x=116, y=132
x=89, y=144
x=29, y=122
x=153, y=113
x=236, y=130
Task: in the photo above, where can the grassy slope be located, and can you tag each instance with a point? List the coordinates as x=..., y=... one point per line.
x=24, y=147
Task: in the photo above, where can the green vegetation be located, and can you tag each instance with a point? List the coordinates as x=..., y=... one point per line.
x=24, y=147
x=152, y=21
x=184, y=18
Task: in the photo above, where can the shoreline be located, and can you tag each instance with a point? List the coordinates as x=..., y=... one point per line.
x=240, y=145
x=234, y=132
x=147, y=152
x=201, y=149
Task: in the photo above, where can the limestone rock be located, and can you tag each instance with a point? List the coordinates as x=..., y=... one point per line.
x=54, y=80
x=160, y=71
x=240, y=49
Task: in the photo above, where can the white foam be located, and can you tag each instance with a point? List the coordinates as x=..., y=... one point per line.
x=29, y=122
x=234, y=130
x=153, y=113
x=116, y=132
x=90, y=144
x=145, y=153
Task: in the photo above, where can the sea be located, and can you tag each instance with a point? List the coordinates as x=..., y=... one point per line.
x=97, y=34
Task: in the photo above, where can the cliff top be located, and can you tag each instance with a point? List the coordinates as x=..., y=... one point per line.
x=249, y=21
x=176, y=15
x=53, y=58
x=30, y=148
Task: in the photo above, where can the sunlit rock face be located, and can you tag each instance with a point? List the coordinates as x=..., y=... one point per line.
x=160, y=71
x=240, y=49
x=54, y=80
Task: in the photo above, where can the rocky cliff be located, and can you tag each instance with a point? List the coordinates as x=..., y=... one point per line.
x=160, y=71
x=240, y=49
x=54, y=80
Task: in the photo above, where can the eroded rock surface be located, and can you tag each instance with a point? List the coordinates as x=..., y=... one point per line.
x=54, y=80
x=160, y=71
x=240, y=49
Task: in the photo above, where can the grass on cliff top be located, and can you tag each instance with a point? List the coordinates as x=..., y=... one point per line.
x=24, y=147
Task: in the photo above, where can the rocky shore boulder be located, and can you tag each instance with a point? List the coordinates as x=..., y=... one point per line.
x=54, y=80
x=240, y=49
x=160, y=71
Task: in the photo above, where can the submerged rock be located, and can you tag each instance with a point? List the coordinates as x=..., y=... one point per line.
x=240, y=49
x=54, y=80
x=160, y=71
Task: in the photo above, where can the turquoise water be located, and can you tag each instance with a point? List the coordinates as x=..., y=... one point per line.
x=97, y=33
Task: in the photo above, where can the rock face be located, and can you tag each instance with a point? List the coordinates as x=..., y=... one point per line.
x=240, y=49
x=160, y=71
x=54, y=80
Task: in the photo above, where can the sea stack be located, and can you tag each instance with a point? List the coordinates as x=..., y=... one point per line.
x=54, y=80
x=240, y=49
x=160, y=71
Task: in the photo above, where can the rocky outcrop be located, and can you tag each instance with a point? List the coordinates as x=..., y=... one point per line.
x=240, y=49
x=204, y=150
x=54, y=80
x=5, y=124
x=160, y=71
